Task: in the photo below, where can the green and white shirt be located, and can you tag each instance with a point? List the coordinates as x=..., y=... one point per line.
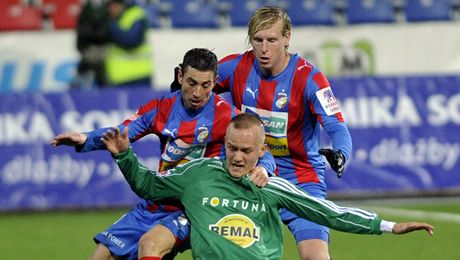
x=231, y=218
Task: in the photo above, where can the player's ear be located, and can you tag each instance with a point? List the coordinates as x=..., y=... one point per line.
x=286, y=40
x=215, y=80
x=180, y=75
x=263, y=149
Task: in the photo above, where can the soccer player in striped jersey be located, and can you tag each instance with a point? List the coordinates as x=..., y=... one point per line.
x=293, y=98
x=230, y=217
x=190, y=124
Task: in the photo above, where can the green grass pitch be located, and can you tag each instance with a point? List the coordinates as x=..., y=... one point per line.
x=68, y=235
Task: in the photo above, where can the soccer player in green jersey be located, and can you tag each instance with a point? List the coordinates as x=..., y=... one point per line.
x=231, y=218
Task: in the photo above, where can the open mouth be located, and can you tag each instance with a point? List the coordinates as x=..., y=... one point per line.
x=237, y=166
x=195, y=102
x=264, y=60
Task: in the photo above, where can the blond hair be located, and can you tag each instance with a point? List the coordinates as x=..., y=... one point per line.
x=265, y=18
x=246, y=121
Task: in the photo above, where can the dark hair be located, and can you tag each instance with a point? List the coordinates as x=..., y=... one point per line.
x=200, y=59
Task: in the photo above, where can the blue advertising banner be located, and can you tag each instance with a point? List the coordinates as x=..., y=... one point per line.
x=35, y=175
x=405, y=139
x=406, y=134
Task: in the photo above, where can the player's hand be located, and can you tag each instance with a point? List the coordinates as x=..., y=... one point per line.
x=336, y=160
x=403, y=228
x=259, y=176
x=175, y=85
x=70, y=139
x=115, y=141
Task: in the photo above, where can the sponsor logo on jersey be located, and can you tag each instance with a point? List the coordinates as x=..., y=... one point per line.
x=237, y=228
x=230, y=203
x=275, y=124
x=327, y=100
x=179, y=152
x=277, y=146
x=281, y=100
x=203, y=134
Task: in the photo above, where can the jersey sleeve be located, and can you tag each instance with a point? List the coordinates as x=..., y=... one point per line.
x=321, y=211
x=150, y=184
x=323, y=104
x=139, y=125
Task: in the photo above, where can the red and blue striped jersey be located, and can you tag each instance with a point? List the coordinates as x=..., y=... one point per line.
x=184, y=134
x=293, y=105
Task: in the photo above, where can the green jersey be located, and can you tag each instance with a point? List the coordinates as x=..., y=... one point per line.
x=231, y=218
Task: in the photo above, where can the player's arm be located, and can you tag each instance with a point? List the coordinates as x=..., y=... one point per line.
x=327, y=213
x=139, y=126
x=325, y=107
x=147, y=184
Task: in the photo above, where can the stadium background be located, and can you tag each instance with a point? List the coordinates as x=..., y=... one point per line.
x=396, y=73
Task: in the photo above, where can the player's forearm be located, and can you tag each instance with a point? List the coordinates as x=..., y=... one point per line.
x=346, y=219
x=350, y=220
x=93, y=141
x=323, y=212
x=139, y=177
x=341, y=139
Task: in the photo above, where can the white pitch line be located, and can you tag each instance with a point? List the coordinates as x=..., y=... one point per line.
x=417, y=214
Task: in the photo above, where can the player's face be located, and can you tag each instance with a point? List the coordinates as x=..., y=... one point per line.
x=196, y=87
x=243, y=147
x=269, y=47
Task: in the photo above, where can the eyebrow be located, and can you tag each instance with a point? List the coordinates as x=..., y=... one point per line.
x=195, y=81
x=238, y=147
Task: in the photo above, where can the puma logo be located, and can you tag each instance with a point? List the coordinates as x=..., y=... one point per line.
x=253, y=93
x=169, y=132
x=303, y=66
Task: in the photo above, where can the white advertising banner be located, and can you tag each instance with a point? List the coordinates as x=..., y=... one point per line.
x=47, y=60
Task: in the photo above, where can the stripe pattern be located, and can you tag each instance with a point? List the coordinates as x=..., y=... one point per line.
x=331, y=214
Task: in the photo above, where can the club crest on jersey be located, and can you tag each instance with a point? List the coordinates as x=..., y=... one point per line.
x=328, y=101
x=203, y=134
x=281, y=100
x=237, y=228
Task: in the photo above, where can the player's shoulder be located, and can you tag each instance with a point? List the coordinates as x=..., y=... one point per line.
x=170, y=95
x=278, y=183
x=204, y=162
x=221, y=104
x=165, y=100
x=166, y=97
x=230, y=57
x=207, y=161
x=314, y=78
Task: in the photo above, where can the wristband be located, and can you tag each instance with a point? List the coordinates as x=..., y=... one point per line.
x=387, y=226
